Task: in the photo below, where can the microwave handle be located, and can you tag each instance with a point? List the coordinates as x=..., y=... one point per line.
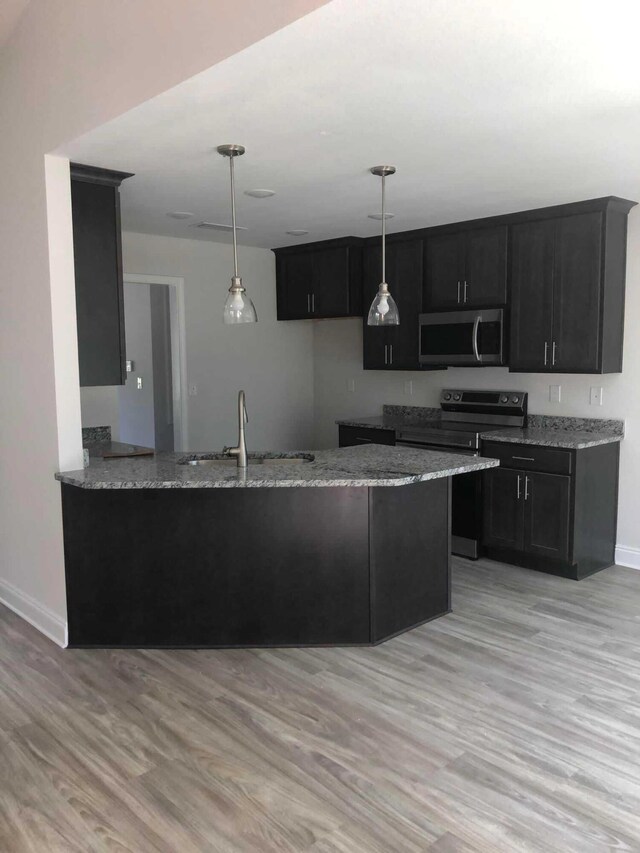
x=474, y=338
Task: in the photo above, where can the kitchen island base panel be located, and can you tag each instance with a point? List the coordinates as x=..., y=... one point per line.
x=208, y=568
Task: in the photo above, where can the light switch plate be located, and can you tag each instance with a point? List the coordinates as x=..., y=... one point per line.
x=595, y=398
x=555, y=393
x=351, y=385
x=408, y=387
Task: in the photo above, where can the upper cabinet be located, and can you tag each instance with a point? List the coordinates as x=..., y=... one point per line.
x=95, y=201
x=394, y=347
x=567, y=291
x=466, y=268
x=320, y=280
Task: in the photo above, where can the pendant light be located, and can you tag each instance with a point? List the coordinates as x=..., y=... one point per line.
x=383, y=311
x=238, y=307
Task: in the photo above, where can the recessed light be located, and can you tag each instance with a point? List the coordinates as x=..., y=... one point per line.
x=325, y=133
x=180, y=214
x=297, y=232
x=378, y=216
x=259, y=193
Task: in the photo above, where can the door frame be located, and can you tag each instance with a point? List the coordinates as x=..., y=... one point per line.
x=178, y=351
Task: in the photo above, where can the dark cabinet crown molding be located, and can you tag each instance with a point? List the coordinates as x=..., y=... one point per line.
x=96, y=175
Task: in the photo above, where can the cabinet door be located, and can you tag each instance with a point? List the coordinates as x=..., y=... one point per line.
x=295, y=286
x=576, y=296
x=404, y=275
x=531, y=295
x=485, y=275
x=503, y=492
x=99, y=293
x=375, y=342
x=444, y=271
x=330, y=287
x=547, y=515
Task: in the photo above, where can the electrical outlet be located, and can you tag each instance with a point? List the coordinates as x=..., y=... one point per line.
x=193, y=390
x=555, y=393
x=351, y=385
x=139, y=383
x=595, y=399
x=408, y=387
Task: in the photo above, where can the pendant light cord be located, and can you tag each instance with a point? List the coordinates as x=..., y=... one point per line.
x=233, y=217
x=384, y=236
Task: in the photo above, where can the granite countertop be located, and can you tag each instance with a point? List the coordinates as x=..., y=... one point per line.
x=543, y=430
x=370, y=465
x=570, y=439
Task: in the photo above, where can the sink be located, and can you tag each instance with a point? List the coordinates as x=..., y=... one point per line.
x=280, y=460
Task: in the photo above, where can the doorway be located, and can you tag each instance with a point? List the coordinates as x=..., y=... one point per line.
x=151, y=402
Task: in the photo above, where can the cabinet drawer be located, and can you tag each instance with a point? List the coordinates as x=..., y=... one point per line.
x=528, y=457
x=350, y=436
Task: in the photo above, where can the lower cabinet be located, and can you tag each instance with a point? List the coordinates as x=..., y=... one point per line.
x=554, y=510
x=350, y=436
x=527, y=512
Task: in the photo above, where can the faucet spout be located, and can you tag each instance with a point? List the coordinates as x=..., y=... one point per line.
x=240, y=452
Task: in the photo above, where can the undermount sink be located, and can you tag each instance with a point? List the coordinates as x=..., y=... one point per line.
x=280, y=460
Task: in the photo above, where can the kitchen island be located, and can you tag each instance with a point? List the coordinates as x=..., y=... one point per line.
x=336, y=547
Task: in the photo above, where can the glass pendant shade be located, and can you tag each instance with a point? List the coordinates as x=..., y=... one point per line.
x=383, y=311
x=238, y=307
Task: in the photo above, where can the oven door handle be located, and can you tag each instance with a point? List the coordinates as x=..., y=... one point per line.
x=474, y=337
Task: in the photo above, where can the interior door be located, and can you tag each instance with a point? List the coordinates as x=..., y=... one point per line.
x=532, y=245
x=503, y=508
x=330, y=288
x=485, y=276
x=444, y=271
x=296, y=272
x=576, y=298
x=547, y=515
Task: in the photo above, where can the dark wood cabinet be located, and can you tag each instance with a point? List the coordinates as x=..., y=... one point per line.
x=95, y=200
x=350, y=436
x=320, y=280
x=562, y=523
x=394, y=347
x=466, y=268
x=567, y=291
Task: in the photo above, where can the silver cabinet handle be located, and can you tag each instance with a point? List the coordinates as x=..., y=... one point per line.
x=526, y=488
x=390, y=353
x=546, y=352
x=458, y=293
x=465, y=292
x=313, y=303
x=364, y=440
x=308, y=303
x=386, y=357
x=474, y=339
x=524, y=458
x=553, y=353
x=518, y=495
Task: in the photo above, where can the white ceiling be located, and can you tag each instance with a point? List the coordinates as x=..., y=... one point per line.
x=484, y=106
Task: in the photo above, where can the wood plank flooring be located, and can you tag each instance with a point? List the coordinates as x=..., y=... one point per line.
x=512, y=724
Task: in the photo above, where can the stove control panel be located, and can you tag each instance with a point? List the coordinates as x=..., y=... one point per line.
x=474, y=400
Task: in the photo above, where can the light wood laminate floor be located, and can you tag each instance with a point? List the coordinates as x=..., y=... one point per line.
x=511, y=725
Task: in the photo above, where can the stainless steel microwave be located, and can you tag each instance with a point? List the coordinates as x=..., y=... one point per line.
x=471, y=338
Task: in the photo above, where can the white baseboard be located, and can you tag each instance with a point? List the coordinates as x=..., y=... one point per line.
x=45, y=620
x=629, y=557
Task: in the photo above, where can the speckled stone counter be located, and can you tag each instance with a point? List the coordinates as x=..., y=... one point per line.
x=395, y=417
x=373, y=465
x=563, y=432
